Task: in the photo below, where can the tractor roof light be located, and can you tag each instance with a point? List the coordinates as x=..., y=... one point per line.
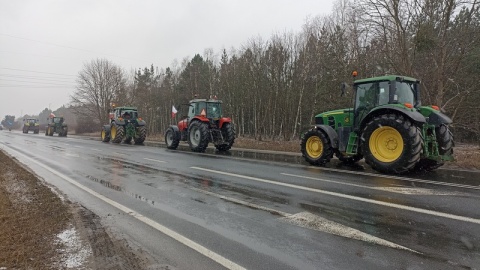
x=140, y=119
x=354, y=73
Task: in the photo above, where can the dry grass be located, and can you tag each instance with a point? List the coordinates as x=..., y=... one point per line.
x=467, y=156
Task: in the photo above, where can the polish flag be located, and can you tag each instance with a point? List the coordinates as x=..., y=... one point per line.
x=174, y=111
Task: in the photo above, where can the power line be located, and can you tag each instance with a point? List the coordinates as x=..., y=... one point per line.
x=24, y=70
x=49, y=83
x=53, y=79
x=72, y=48
x=36, y=86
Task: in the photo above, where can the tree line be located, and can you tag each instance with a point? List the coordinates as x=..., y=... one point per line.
x=272, y=89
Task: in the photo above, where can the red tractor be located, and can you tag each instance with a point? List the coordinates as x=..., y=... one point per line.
x=204, y=124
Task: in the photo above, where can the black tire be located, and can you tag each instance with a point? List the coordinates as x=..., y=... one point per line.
x=445, y=147
x=105, y=135
x=348, y=159
x=36, y=131
x=117, y=133
x=198, y=136
x=316, y=147
x=228, y=133
x=128, y=140
x=141, y=135
x=391, y=144
x=172, y=138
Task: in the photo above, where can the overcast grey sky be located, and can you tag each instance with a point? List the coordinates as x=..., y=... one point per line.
x=44, y=44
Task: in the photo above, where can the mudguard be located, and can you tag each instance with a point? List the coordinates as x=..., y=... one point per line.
x=141, y=123
x=224, y=120
x=438, y=118
x=331, y=134
x=413, y=115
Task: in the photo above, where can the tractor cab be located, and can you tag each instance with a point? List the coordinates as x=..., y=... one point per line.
x=383, y=92
x=211, y=109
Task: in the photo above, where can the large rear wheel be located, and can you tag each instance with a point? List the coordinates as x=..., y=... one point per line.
x=316, y=147
x=391, y=144
x=172, y=138
x=445, y=148
x=117, y=133
x=228, y=134
x=198, y=136
x=141, y=135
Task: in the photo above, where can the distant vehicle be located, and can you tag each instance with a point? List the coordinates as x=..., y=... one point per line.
x=9, y=121
x=31, y=124
x=204, y=124
x=56, y=125
x=125, y=125
x=1, y=127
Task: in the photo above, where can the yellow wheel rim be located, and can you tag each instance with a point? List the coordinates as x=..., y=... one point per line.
x=113, y=132
x=386, y=144
x=314, y=147
x=103, y=134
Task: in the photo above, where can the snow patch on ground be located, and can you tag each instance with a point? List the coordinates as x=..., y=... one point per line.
x=314, y=222
x=73, y=254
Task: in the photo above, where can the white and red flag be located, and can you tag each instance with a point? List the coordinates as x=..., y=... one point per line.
x=174, y=111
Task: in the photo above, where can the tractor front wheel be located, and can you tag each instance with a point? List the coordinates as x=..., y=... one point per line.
x=172, y=138
x=141, y=135
x=198, y=136
x=391, y=144
x=316, y=147
x=228, y=133
x=117, y=133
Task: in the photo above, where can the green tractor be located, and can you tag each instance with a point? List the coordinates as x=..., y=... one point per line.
x=203, y=125
x=388, y=127
x=56, y=125
x=125, y=125
x=31, y=124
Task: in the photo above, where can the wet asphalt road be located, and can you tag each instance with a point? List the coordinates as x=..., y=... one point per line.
x=262, y=214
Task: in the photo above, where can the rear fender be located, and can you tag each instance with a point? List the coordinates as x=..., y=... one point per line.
x=330, y=133
x=224, y=120
x=141, y=123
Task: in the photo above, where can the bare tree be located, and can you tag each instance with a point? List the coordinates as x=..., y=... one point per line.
x=98, y=85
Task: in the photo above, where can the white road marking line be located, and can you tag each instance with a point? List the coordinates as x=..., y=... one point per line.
x=176, y=236
x=401, y=190
x=71, y=155
x=350, y=197
x=313, y=222
x=400, y=178
x=95, y=149
x=156, y=160
x=118, y=153
x=237, y=201
x=318, y=223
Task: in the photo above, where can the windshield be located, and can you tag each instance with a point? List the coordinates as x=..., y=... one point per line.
x=404, y=93
x=214, y=110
